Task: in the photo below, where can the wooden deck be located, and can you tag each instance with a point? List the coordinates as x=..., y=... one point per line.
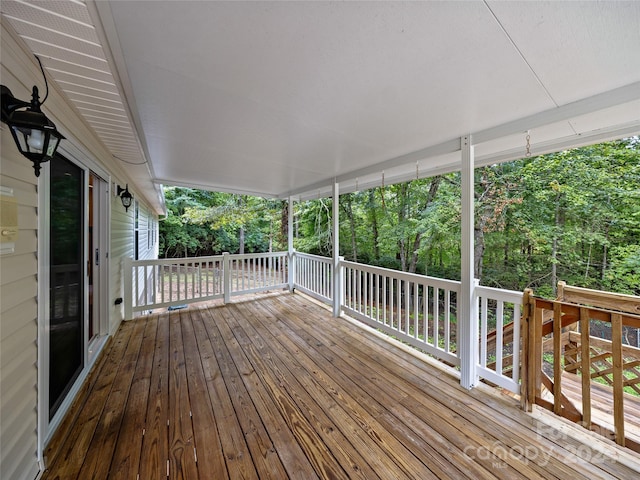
x=277, y=388
x=602, y=405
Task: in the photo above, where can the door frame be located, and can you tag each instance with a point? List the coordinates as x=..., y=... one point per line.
x=46, y=426
x=102, y=216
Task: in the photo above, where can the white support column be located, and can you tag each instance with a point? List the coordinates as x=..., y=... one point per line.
x=226, y=277
x=337, y=274
x=291, y=251
x=467, y=308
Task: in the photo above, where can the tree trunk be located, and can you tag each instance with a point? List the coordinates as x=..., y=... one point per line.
x=241, y=233
x=433, y=191
x=505, y=258
x=554, y=248
x=402, y=243
x=284, y=222
x=352, y=225
x=374, y=224
x=414, y=255
x=586, y=271
x=478, y=247
x=241, y=241
x=603, y=269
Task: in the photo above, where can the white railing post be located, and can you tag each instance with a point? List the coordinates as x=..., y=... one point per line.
x=127, y=274
x=468, y=337
x=290, y=249
x=339, y=292
x=335, y=221
x=292, y=271
x=226, y=277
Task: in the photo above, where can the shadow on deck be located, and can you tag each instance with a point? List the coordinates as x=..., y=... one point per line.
x=278, y=388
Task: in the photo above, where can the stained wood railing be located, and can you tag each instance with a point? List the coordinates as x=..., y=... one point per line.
x=558, y=343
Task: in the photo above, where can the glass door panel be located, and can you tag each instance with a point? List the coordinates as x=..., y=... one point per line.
x=67, y=279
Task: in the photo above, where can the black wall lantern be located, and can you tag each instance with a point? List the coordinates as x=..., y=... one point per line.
x=35, y=135
x=125, y=196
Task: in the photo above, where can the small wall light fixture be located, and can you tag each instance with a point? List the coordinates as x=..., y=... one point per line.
x=35, y=135
x=125, y=196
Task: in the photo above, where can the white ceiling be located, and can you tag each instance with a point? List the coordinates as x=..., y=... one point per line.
x=279, y=98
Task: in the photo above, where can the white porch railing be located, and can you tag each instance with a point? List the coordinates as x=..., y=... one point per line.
x=314, y=276
x=419, y=310
x=255, y=272
x=500, y=342
x=150, y=284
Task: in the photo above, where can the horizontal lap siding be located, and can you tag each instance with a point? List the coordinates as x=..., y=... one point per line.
x=146, y=249
x=19, y=270
x=121, y=247
x=18, y=322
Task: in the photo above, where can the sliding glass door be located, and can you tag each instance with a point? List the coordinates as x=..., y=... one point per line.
x=66, y=279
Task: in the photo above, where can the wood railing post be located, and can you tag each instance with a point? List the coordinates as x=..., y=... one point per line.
x=533, y=357
x=536, y=354
x=526, y=402
x=618, y=379
x=557, y=358
x=585, y=360
x=226, y=277
x=127, y=275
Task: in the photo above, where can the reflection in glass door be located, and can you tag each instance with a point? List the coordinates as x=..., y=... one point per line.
x=93, y=264
x=67, y=279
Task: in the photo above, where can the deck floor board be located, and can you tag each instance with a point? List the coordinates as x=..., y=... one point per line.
x=277, y=388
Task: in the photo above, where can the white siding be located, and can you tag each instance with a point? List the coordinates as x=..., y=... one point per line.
x=147, y=248
x=19, y=435
x=121, y=247
x=19, y=322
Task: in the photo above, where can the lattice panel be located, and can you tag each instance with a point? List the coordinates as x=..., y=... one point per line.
x=602, y=366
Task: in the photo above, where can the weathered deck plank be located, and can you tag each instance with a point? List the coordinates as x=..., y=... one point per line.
x=77, y=439
x=182, y=453
x=205, y=425
x=155, y=442
x=277, y=388
x=336, y=387
x=126, y=458
x=234, y=445
x=236, y=371
x=455, y=426
x=103, y=442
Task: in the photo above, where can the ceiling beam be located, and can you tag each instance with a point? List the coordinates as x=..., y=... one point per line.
x=565, y=143
x=614, y=97
x=611, y=98
x=556, y=145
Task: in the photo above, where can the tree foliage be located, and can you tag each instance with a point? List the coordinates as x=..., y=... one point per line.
x=209, y=223
x=572, y=216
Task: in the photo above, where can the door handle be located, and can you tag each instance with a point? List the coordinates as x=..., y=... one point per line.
x=97, y=257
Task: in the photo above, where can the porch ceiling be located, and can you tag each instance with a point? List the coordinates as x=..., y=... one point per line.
x=279, y=98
